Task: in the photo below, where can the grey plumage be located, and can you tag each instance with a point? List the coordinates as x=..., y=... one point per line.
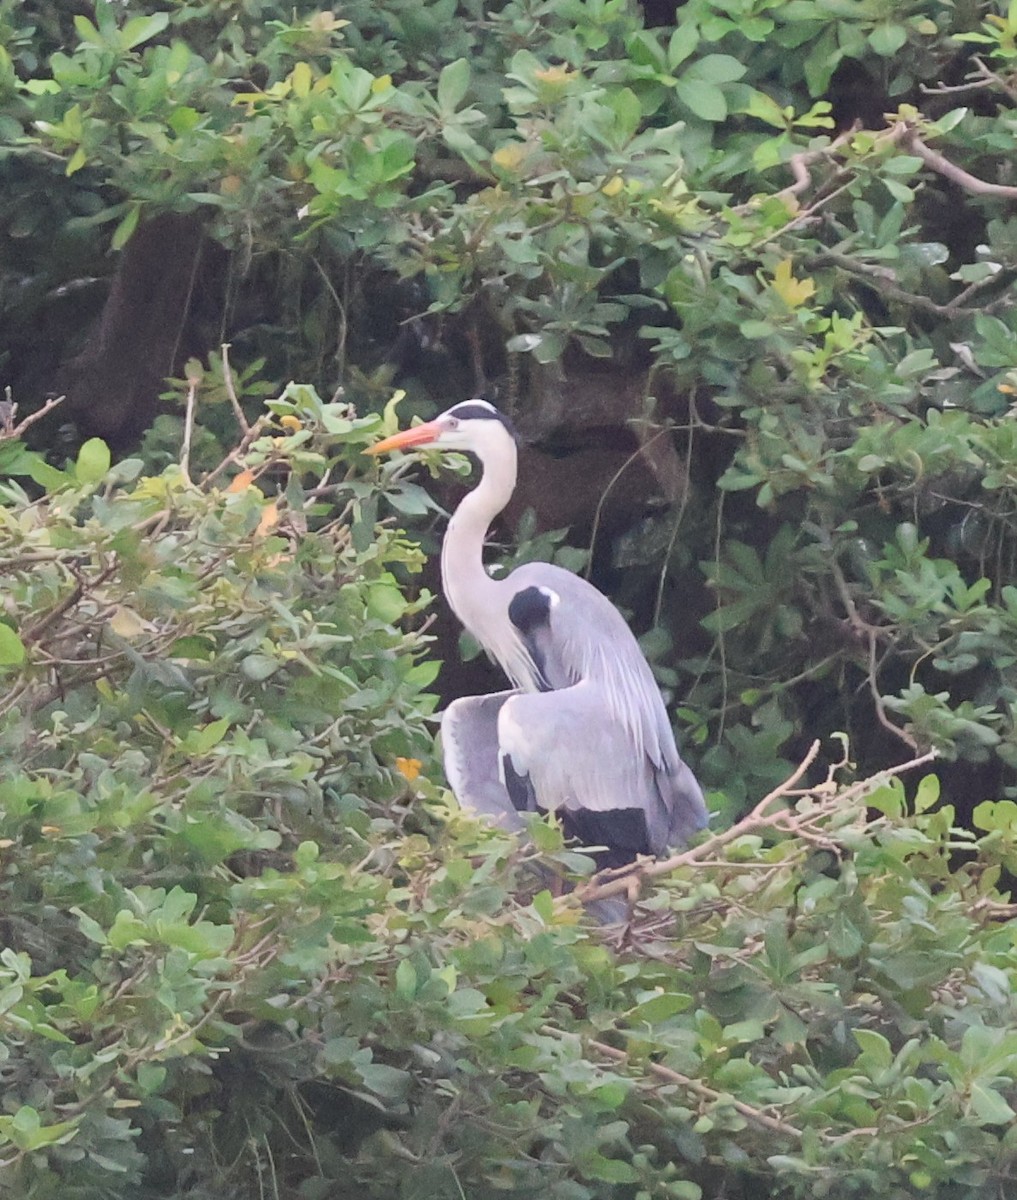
x=583, y=732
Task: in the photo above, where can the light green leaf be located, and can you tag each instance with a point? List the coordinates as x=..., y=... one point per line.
x=141, y=29
x=453, y=83
x=683, y=43
x=405, y=980
x=988, y=1106
x=659, y=1008
x=12, y=649
x=93, y=461
x=123, y=231
x=704, y=99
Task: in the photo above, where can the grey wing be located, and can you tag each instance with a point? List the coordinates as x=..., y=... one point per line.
x=569, y=749
x=572, y=632
x=469, y=736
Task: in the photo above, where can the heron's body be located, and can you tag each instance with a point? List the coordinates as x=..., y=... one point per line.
x=583, y=732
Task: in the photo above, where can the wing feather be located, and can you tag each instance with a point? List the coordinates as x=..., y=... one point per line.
x=577, y=759
x=587, y=638
x=469, y=737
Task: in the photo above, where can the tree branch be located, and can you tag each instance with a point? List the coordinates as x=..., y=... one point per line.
x=622, y=880
x=9, y=412
x=949, y=170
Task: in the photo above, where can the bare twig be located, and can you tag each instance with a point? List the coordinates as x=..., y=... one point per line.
x=619, y=881
x=756, y=1115
x=237, y=453
x=185, y=451
x=231, y=391
x=801, y=162
x=35, y=631
x=9, y=428
x=884, y=280
x=949, y=170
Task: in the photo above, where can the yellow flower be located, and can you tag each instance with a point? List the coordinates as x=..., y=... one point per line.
x=408, y=768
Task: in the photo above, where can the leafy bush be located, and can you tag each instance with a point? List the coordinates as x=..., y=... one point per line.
x=249, y=948
x=556, y=185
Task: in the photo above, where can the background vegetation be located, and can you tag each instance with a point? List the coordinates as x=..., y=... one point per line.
x=743, y=274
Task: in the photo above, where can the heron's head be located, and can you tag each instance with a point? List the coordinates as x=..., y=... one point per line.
x=474, y=426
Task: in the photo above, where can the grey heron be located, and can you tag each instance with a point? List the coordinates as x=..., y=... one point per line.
x=583, y=731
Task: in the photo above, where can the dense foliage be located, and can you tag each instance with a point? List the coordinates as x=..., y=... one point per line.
x=249, y=947
x=717, y=209
x=250, y=950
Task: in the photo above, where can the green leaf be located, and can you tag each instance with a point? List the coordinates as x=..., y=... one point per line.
x=127, y=226
x=682, y=45
x=988, y=1106
x=93, y=462
x=610, y=1170
x=704, y=99
x=12, y=649
x=259, y=667
x=142, y=29
x=453, y=83
x=874, y=1046
x=887, y=39
x=659, y=1008
x=200, y=741
x=543, y=906
x=405, y=980
x=716, y=68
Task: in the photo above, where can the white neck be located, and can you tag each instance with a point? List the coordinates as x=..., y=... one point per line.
x=468, y=588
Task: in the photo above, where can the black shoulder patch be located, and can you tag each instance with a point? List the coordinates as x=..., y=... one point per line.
x=529, y=611
x=519, y=787
x=622, y=830
x=529, y=608
x=482, y=410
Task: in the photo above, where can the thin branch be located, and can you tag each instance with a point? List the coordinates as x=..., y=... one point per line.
x=8, y=428
x=237, y=453
x=620, y=880
x=668, y=1075
x=231, y=391
x=801, y=162
x=35, y=631
x=185, y=451
x=884, y=280
x=932, y=158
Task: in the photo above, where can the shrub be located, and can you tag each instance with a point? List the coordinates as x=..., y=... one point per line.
x=250, y=948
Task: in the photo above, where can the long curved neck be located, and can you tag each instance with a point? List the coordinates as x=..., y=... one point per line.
x=468, y=587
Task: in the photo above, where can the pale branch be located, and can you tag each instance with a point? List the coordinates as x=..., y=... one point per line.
x=238, y=452
x=800, y=163
x=904, y=134
x=185, y=451
x=871, y=634
x=756, y=1115
x=880, y=704
x=884, y=281
x=619, y=879
x=949, y=170
x=231, y=390
x=11, y=428
x=622, y=880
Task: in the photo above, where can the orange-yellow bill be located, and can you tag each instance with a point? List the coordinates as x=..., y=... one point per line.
x=419, y=435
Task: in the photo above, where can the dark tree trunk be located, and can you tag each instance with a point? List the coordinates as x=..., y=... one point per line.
x=113, y=385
